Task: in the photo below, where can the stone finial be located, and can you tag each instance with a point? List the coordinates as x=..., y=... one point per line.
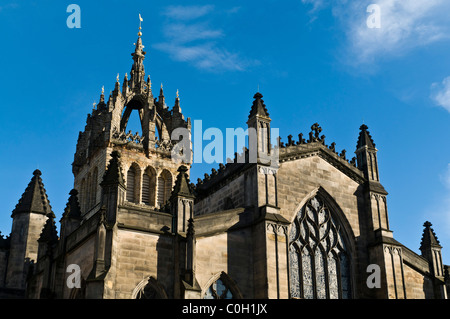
x=290, y=141
x=314, y=134
x=182, y=185
x=332, y=147
x=316, y=129
x=364, y=138
x=49, y=234
x=258, y=107
x=191, y=227
x=429, y=238
x=113, y=174
x=72, y=209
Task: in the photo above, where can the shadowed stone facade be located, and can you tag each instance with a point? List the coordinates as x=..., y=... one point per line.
x=307, y=226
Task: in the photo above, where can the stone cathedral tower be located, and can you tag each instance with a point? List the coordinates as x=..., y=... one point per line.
x=148, y=155
x=298, y=220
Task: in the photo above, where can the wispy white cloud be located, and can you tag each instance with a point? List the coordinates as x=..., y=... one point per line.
x=405, y=25
x=9, y=6
x=203, y=56
x=187, y=12
x=190, y=38
x=183, y=33
x=440, y=94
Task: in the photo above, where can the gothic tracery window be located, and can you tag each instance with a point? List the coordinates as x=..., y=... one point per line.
x=319, y=262
x=218, y=290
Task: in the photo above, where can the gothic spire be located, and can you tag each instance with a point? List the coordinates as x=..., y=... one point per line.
x=113, y=174
x=137, y=73
x=429, y=238
x=161, y=99
x=258, y=107
x=34, y=199
x=72, y=209
x=177, y=107
x=364, y=138
x=49, y=233
x=182, y=186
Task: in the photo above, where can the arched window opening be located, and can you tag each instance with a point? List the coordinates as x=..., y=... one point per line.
x=149, y=289
x=222, y=287
x=147, y=292
x=164, y=187
x=131, y=184
x=87, y=198
x=131, y=117
x=149, y=186
x=218, y=290
x=262, y=137
x=319, y=262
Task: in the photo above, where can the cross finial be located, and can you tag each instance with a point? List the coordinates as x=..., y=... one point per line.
x=316, y=128
x=178, y=95
x=117, y=78
x=103, y=89
x=93, y=105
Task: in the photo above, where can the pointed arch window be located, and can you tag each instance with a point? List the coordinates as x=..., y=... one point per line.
x=149, y=288
x=83, y=195
x=164, y=187
x=131, y=184
x=93, y=195
x=319, y=261
x=222, y=288
x=218, y=290
x=87, y=198
x=149, y=186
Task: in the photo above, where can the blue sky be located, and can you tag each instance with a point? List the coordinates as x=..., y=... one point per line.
x=313, y=60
